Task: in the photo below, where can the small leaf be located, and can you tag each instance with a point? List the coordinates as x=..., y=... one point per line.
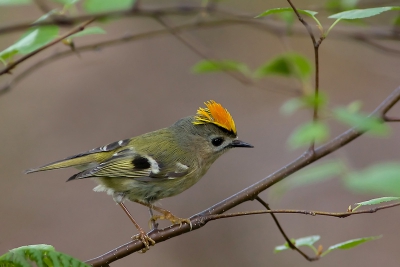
x=292, y=105
x=383, y=178
x=396, y=21
x=67, y=2
x=341, y=4
x=362, y=13
x=307, y=133
x=306, y=101
x=354, y=106
x=350, y=244
x=287, y=64
x=318, y=172
x=303, y=241
x=286, y=9
x=376, y=201
x=362, y=122
x=14, y=2
x=41, y=255
x=307, y=241
x=89, y=31
x=30, y=41
x=98, y=6
x=206, y=66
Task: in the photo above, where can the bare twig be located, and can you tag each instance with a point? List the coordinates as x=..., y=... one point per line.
x=390, y=119
x=251, y=192
x=316, y=45
x=304, y=212
x=12, y=65
x=116, y=41
x=287, y=239
x=201, y=51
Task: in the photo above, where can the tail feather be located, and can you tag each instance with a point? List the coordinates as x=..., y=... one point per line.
x=78, y=161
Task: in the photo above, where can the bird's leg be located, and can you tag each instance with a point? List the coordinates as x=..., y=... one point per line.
x=152, y=223
x=166, y=215
x=142, y=236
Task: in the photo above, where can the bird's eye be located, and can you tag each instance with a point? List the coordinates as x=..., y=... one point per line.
x=217, y=141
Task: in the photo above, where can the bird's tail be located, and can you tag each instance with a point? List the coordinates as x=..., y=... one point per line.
x=80, y=161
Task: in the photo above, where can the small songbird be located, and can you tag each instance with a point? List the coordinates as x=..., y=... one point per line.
x=158, y=164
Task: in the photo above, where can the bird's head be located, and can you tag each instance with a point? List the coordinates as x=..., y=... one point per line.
x=210, y=133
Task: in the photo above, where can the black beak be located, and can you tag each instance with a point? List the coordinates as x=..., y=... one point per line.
x=238, y=143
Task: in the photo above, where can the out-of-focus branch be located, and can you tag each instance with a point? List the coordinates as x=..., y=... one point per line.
x=12, y=65
x=120, y=40
x=230, y=16
x=251, y=192
x=199, y=50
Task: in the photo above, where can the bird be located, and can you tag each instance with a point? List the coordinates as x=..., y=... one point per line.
x=158, y=164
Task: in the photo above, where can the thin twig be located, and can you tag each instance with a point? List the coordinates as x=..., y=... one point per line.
x=249, y=193
x=116, y=41
x=287, y=239
x=12, y=65
x=304, y=212
x=316, y=45
x=390, y=119
x=201, y=51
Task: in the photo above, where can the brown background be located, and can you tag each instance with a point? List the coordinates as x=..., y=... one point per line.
x=76, y=104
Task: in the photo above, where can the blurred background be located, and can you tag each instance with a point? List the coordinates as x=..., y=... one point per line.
x=81, y=102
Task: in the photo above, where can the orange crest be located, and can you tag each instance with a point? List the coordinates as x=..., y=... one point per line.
x=216, y=114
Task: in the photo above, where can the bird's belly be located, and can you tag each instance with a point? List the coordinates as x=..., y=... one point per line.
x=134, y=190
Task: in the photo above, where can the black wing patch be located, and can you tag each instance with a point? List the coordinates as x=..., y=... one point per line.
x=133, y=166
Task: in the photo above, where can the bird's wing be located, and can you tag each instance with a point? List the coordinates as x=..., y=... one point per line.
x=129, y=164
x=85, y=159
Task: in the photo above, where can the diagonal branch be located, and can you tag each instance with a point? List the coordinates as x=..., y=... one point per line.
x=249, y=193
x=12, y=65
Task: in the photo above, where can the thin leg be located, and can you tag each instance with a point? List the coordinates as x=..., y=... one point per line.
x=152, y=223
x=166, y=215
x=142, y=236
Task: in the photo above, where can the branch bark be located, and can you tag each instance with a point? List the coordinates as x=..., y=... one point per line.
x=247, y=194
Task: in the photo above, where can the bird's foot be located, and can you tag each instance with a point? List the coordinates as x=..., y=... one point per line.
x=146, y=240
x=172, y=218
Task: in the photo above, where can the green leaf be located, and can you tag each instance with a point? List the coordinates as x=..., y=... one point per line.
x=307, y=133
x=350, y=244
x=376, y=201
x=396, y=21
x=30, y=41
x=206, y=66
x=286, y=9
x=89, y=31
x=303, y=241
x=307, y=101
x=99, y=6
x=362, y=122
x=354, y=106
x=341, y=4
x=292, y=105
x=42, y=255
x=14, y=2
x=67, y=2
x=383, y=178
x=315, y=173
x=309, y=13
x=287, y=64
x=362, y=13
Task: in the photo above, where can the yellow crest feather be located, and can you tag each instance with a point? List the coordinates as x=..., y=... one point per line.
x=216, y=114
